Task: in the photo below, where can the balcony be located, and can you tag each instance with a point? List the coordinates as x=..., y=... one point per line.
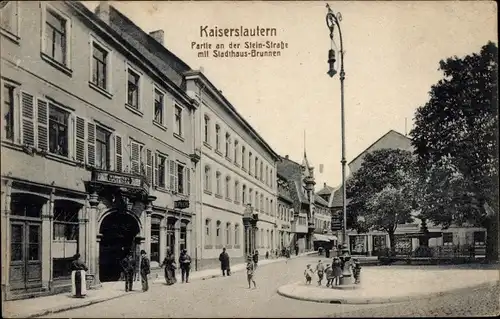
x=132, y=182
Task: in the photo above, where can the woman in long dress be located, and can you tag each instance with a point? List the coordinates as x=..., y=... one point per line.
x=169, y=264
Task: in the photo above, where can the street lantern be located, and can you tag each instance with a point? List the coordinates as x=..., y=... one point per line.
x=333, y=20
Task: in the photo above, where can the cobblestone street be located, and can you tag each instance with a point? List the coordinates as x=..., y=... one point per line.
x=230, y=297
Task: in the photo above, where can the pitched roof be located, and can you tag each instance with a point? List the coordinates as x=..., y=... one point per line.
x=336, y=198
x=320, y=201
x=326, y=190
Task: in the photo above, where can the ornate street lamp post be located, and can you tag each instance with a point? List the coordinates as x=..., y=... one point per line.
x=333, y=20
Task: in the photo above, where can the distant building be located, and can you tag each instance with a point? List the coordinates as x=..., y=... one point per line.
x=374, y=242
x=285, y=219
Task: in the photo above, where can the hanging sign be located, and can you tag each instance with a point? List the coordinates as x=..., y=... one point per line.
x=181, y=204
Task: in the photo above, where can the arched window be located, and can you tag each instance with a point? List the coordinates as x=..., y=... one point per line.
x=256, y=167
x=267, y=206
x=228, y=142
x=268, y=239
x=218, y=181
x=218, y=235
x=272, y=208
x=207, y=180
x=250, y=197
x=267, y=175
x=244, y=195
x=228, y=187
x=236, y=152
x=262, y=201
x=250, y=163
x=236, y=191
x=257, y=200
x=237, y=234
x=261, y=173
x=271, y=177
x=207, y=129
x=228, y=233
x=217, y=137
x=208, y=231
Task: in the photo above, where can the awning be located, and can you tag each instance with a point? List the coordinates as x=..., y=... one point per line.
x=319, y=237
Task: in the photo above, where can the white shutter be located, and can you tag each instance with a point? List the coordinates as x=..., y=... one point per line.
x=172, y=184
x=27, y=119
x=155, y=174
x=187, y=184
x=118, y=153
x=42, y=124
x=80, y=140
x=90, y=144
x=134, y=157
x=149, y=166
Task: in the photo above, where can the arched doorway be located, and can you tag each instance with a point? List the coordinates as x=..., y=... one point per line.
x=118, y=238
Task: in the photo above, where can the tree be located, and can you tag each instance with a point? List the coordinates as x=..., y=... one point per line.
x=381, y=191
x=455, y=140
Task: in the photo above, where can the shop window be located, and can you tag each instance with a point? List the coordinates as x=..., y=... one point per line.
x=171, y=235
x=447, y=239
x=479, y=238
x=155, y=239
x=65, y=237
x=25, y=205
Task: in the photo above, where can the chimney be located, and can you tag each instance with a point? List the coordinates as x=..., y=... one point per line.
x=102, y=11
x=158, y=35
x=286, y=156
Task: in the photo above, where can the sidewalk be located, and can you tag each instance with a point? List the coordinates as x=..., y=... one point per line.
x=42, y=306
x=389, y=284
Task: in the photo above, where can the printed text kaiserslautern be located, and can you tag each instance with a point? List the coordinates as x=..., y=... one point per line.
x=216, y=32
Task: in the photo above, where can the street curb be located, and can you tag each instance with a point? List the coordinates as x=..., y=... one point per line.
x=95, y=301
x=363, y=301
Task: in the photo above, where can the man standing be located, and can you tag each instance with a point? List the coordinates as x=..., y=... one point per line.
x=255, y=258
x=145, y=270
x=128, y=265
x=185, y=263
x=224, y=263
x=78, y=268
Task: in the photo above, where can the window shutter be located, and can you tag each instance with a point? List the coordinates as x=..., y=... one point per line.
x=134, y=157
x=118, y=154
x=90, y=144
x=155, y=177
x=188, y=181
x=43, y=124
x=172, y=185
x=27, y=119
x=80, y=140
x=149, y=166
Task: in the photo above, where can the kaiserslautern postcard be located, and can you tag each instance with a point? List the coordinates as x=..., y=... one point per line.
x=240, y=159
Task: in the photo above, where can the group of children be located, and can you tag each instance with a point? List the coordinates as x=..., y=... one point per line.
x=333, y=272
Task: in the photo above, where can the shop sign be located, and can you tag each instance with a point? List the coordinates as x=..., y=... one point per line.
x=118, y=179
x=181, y=204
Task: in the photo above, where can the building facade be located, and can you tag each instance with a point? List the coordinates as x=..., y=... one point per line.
x=237, y=179
x=96, y=149
x=285, y=217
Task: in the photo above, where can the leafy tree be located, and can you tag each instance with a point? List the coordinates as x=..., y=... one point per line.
x=455, y=140
x=380, y=192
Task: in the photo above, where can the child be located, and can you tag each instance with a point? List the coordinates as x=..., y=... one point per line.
x=320, y=269
x=329, y=275
x=308, y=273
x=250, y=272
x=337, y=271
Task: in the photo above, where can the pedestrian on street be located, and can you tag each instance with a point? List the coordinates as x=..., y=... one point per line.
x=329, y=275
x=251, y=267
x=267, y=254
x=79, y=267
x=224, y=262
x=296, y=250
x=308, y=273
x=256, y=258
x=320, y=270
x=128, y=265
x=170, y=267
x=145, y=270
x=337, y=271
x=185, y=264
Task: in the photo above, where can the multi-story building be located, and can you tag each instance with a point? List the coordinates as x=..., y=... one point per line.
x=96, y=147
x=285, y=217
x=406, y=235
x=236, y=181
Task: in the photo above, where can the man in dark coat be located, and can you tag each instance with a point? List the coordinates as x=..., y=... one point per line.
x=224, y=263
x=185, y=264
x=145, y=270
x=78, y=265
x=128, y=265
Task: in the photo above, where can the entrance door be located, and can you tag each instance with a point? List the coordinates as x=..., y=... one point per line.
x=118, y=239
x=25, y=253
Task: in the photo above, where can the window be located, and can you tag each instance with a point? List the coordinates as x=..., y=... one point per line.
x=180, y=179
x=250, y=163
x=218, y=190
x=237, y=234
x=256, y=167
x=267, y=206
x=243, y=161
x=207, y=180
x=271, y=178
x=228, y=188
x=218, y=233
x=155, y=240
x=267, y=176
x=178, y=120
x=65, y=222
x=244, y=195
x=261, y=201
x=8, y=111
x=58, y=131
x=447, y=239
x=250, y=198
x=217, y=137
x=228, y=141
x=236, y=191
x=228, y=233
x=9, y=17
x=159, y=106
x=102, y=148
x=133, y=89
x=257, y=200
x=479, y=238
x=207, y=129
x=208, y=232
x=56, y=37
x=161, y=173
x=261, y=175
x=236, y=152
x=99, y=66
x=272, y=208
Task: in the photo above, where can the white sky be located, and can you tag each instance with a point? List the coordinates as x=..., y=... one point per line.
x=392, y=54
